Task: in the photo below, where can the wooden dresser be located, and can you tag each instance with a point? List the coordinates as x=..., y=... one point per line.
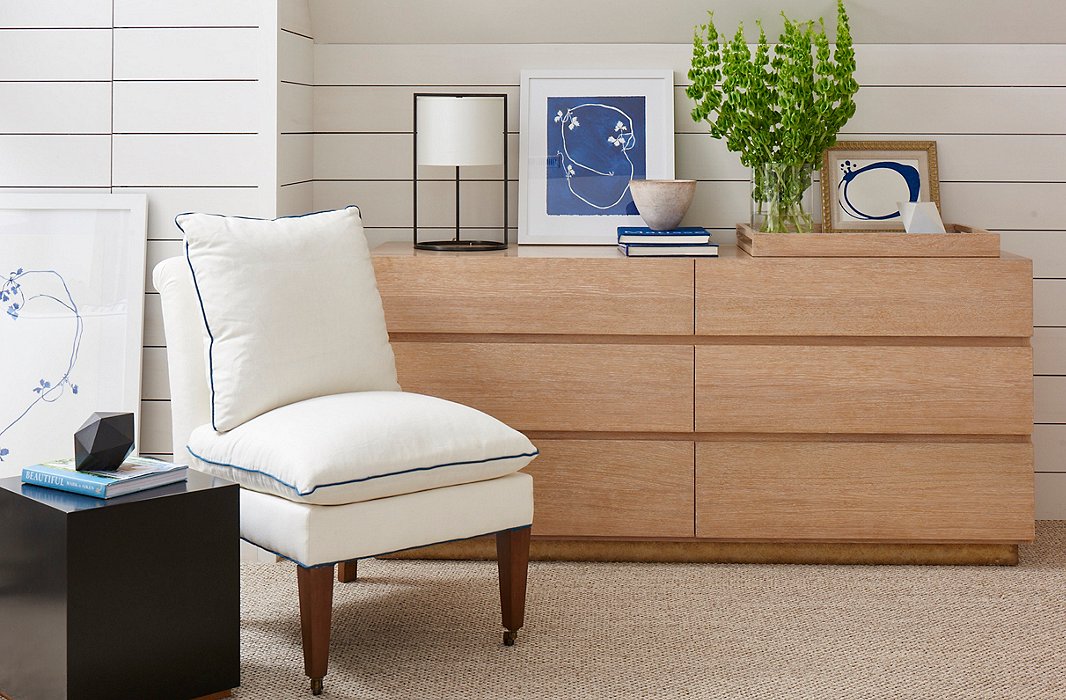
x=739, y=408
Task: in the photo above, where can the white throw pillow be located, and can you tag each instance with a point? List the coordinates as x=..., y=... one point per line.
x=356, y=447
x=290, y=308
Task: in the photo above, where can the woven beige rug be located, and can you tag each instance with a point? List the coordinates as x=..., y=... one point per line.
x=413, y=630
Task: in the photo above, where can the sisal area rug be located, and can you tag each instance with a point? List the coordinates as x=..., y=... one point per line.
x=412, y=630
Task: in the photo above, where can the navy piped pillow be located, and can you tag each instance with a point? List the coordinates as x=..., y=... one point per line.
x=291, y=310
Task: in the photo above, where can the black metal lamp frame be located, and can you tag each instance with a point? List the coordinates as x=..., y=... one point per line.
x=457, y=244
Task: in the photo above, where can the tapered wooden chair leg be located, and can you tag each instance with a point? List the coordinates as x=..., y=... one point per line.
x=512, y=556
x=348, y=571
x=316, y=613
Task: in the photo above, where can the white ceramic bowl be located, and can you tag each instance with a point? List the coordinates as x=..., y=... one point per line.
x=662, y=203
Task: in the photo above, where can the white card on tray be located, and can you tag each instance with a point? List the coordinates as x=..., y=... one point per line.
x=921, y=217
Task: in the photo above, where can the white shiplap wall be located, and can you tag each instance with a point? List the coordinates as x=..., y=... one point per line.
x=295, y=85
x=997, y=112
x=176, y=100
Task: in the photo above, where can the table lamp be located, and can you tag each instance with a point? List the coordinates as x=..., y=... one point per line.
x=457, y=130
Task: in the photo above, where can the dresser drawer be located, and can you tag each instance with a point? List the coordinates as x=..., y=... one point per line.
x=558, y=386
x=613, y=488
x=884, y=491
x=977, y=297
x=505, y=294
x=864, y=389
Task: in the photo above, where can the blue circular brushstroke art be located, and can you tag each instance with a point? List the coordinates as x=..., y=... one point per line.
x=910, y=176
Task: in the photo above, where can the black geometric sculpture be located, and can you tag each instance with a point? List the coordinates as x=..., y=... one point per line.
x=103, y=442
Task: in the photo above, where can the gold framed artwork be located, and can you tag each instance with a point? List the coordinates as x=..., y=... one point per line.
x=863, y=183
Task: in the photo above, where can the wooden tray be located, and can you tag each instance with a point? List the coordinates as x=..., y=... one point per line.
x=960, y=242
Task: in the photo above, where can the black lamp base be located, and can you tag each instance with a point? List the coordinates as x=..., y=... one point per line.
x=469, y=246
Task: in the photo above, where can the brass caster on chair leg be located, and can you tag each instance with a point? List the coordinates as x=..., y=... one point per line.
x=316, y=686
x=509, y=637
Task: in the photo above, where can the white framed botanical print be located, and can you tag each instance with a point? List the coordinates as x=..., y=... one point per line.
x=72, y=270
x=584, y=135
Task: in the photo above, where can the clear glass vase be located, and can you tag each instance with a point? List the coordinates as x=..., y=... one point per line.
x=781, y=197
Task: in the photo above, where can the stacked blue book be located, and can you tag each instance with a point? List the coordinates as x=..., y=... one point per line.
x=644, y=242
x=135, y=474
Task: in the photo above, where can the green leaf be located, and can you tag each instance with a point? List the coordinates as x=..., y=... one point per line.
x=785, y=105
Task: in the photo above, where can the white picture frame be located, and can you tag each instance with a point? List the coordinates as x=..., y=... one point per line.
x=72, y=278
x=621, y=128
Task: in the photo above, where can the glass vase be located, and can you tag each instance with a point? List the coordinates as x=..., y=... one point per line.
x=781, y=197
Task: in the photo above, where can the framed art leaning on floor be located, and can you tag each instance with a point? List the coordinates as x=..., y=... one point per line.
x=584, y=136
x=72, y=271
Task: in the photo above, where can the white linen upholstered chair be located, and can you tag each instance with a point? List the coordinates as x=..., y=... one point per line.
x=300, y=406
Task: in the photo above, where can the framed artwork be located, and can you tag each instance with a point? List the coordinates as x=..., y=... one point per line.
x=584, y=136
x=864, y=181
x=72, y=271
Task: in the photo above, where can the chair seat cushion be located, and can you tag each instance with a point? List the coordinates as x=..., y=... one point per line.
x=313, y=535
x=347, y=448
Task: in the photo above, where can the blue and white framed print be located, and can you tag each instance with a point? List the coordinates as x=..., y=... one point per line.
x=863, y=183
x=72, y=293
x=584, y=136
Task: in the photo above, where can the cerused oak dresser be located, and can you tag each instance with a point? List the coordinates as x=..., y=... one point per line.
x=739, y=408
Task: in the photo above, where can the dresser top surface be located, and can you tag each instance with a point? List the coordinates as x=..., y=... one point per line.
x=398, y=249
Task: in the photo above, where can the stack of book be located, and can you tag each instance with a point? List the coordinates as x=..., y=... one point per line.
x=641, y=241
x=135, y=474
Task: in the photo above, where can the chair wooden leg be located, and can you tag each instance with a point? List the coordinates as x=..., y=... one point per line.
x=348, y=571
x=512, y=557
x=316, y=612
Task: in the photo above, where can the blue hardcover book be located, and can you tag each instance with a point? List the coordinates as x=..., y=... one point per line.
x=135, y=474
x=653, y=250
x=689, y=235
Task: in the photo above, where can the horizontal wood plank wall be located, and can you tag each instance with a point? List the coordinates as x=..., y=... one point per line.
x=631, y=21
x=195, y=129
x=997, y=112
x=295, y=84
x=176, y=100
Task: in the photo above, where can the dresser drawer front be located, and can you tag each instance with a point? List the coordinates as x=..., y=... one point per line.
x=498, y=294
x=942, y=492
x=867, y=389
x=613, y=488
x=558, y=386
x=975, y=297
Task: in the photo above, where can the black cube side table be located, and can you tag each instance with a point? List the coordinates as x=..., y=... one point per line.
x=133, y=597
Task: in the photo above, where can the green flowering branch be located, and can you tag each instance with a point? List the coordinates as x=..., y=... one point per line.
x=787, y=109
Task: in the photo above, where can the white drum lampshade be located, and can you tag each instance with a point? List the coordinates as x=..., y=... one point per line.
x=458, y=131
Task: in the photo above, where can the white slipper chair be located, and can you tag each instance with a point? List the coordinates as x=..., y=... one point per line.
x=282, y=379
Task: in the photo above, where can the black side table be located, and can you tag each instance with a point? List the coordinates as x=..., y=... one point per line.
x=133, y=597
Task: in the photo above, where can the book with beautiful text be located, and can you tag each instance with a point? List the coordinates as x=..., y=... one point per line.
x=135, y=474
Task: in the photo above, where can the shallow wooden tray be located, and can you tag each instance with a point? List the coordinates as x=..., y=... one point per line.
x=959, y=242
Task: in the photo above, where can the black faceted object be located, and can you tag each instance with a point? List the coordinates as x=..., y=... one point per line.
x=103, y=442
